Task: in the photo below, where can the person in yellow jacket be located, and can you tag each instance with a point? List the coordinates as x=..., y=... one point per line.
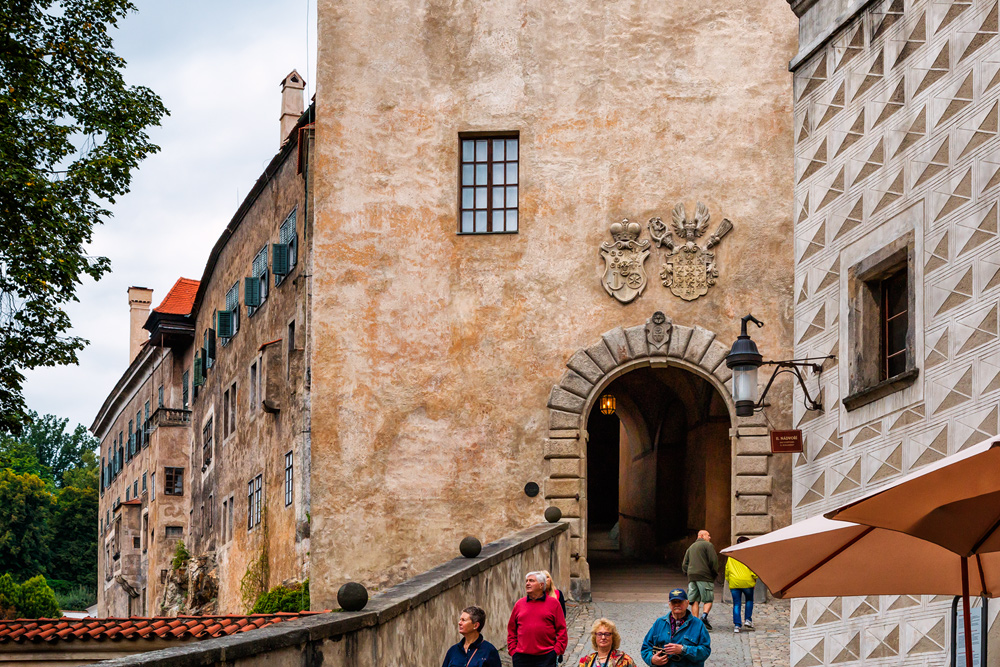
x=741, y=581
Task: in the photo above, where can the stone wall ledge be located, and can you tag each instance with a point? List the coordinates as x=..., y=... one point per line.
x=380, y=609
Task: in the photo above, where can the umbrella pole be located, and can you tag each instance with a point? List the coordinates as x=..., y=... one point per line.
x=966, y=614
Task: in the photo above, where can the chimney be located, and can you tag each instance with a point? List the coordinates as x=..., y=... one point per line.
x=139, y=300
x=291, y=102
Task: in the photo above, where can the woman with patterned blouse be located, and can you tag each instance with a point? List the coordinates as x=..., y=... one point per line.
x=606, y=640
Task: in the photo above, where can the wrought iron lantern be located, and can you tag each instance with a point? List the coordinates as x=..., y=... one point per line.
x=608, y=404
x=744, y=359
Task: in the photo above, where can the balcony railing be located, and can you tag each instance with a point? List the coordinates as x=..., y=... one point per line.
x=169, y=417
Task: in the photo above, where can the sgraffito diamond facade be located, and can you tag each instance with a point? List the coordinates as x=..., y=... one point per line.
x=897, y=174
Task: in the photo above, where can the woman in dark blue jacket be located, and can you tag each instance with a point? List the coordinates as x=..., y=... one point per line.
x=472, y=650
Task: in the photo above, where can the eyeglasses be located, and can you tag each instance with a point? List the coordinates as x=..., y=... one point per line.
x=603, y=634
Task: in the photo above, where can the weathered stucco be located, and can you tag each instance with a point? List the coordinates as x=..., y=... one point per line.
x=410, y=624
x=435, y=353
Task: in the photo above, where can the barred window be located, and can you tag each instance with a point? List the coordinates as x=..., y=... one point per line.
x=489, y=183
x=289, y=495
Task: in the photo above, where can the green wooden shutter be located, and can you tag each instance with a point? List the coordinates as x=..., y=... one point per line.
x=210, y=345
x=225, y=318
x=198, y=377
x=251, y=292
x=279, y=259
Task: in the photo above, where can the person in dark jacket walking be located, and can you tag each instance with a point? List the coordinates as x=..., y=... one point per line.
x=536, y=631
x=472, y=650
x=679, y=638
x=701, y=565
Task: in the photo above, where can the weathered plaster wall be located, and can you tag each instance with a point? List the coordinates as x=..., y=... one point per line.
x=166, y=446
x=413, y=623
x=435, y=353
x=260, y=439
x=896, y=135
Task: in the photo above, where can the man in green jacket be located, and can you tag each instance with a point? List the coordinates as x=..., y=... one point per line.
x=701, y=565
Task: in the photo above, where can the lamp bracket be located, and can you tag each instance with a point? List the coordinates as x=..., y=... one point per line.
x=795, y=366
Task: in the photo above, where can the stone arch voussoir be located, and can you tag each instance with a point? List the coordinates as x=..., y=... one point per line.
x=591, y=369
x=620, y=350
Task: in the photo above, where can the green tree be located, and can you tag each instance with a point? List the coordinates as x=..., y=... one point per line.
x=84, y=475
x=38, y=600
x=72, y=133
x=45, y=448
x=25, y=503
x=32, y=599
x=73, y=546
x=19, y=456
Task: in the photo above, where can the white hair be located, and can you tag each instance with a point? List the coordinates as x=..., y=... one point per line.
x=537, y=576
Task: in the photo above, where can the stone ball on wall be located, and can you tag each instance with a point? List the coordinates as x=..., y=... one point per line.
x=531, y=489
x=352, y=596
x=553, y=514
x=470, y=547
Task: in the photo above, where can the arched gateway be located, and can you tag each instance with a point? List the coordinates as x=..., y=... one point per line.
x=674, y=457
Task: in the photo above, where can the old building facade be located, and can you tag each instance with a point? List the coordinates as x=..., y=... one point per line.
x=205, y=439
x=896, y=273
x=525, y=239
x=487, y=175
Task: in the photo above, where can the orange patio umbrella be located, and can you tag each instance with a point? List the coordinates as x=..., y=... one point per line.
x=953, y=503
x=820, y=557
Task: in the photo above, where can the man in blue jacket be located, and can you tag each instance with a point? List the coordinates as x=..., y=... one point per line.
x=679, y=638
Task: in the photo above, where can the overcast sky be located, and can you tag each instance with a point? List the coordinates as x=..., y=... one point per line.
x=217, y=65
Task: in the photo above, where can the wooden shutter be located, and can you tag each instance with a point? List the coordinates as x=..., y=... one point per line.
x=225, y=323
x=198, y=377
x=251, y=292
x=279, y=259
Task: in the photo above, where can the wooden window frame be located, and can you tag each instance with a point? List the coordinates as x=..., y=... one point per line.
x=289, y=478
x=867, y=372
x=489, y=137
x=170, y=481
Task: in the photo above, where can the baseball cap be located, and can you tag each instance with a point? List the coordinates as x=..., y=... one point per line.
x=678, y=594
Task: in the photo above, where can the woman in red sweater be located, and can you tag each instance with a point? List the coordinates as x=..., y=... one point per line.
x=536, y=632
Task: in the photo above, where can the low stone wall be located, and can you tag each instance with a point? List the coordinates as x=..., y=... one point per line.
x=411, y=624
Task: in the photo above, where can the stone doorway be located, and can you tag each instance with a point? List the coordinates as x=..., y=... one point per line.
x=683, y=371
x=658, y=469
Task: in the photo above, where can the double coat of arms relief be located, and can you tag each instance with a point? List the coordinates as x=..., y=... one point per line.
x=688, y=270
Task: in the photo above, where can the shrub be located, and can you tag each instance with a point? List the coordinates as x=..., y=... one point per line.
x=283, y=598
x=32, y=599
x=77, y=598
x=181, y=556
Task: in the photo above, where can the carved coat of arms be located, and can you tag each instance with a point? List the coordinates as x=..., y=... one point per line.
x=688, y=269
x=624, y=275
x=658, y=328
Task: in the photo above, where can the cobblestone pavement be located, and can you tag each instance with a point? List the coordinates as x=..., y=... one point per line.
x=767, y=646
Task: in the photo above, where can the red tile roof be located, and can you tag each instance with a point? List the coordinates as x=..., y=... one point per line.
x=180, y=299
x=180, y=627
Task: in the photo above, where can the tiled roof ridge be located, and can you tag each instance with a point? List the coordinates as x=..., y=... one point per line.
x=139, y=627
